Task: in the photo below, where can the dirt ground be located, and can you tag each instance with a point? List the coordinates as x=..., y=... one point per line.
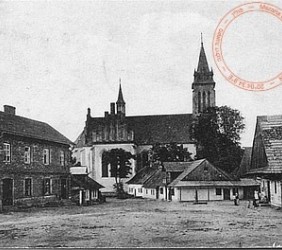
x=143, y=223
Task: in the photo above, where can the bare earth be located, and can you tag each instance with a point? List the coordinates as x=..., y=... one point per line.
x=143, y=223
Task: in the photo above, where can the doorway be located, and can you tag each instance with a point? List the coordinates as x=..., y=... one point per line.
x=64, y=189
x=7, y=188
x=226, y=194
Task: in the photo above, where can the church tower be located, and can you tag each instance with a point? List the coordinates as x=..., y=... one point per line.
x=203, y=85
x=120, y=102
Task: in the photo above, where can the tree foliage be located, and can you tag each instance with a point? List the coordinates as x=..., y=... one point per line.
x=168, y=153
x=120, y=165
x=217, y=132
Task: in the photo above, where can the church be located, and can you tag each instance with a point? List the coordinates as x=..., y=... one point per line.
x=137, y=134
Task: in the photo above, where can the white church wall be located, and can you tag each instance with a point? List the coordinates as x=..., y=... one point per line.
x=96, y=171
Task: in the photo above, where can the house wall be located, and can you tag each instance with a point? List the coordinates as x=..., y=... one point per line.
x=18, y=170
x=96, y=170
x=204, y=194
x=135, y=189
x=84, y=156
x=162, y=194
x=275, y=193
x=149, y=193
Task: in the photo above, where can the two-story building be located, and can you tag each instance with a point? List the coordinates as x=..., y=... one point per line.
x=34, y=163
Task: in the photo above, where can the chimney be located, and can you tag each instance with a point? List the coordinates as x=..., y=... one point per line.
x=106, y=114
x=9, y=110
x=112, y=108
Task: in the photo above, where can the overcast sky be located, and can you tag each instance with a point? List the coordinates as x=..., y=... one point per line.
x=57, y=58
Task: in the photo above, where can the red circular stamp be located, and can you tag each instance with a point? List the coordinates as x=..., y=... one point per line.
x=217, y=46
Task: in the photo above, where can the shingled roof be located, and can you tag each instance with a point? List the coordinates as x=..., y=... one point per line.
x=143, y=175
x=156, y=179
x=245, y=162
x=269, y=137
x=21, y=126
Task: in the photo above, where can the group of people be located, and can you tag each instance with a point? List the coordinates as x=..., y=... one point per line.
x=255, y=200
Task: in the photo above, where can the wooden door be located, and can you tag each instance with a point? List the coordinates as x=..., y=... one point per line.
x=226, y=194
x=7, y=188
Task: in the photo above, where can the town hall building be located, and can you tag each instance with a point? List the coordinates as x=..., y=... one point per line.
x=137, y=134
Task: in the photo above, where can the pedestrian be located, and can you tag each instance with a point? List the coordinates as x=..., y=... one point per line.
x=237, y=199
x=256, y=198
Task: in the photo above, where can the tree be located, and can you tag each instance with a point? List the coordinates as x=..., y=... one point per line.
x=217, y=132
x=168, y=153
x=120, y=165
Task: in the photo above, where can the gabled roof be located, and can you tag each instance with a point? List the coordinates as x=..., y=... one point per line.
x=189, y=167
x=21, y=126
x=270, y=130
x=245, y=162
x=176, y=166
x=155, y=180
x=143, y=175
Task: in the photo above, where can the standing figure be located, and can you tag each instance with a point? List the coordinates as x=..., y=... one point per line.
x=237, y=199
x=256, y=198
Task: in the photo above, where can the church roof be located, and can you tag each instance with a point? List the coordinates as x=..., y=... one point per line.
x=161, y=128
x=21, y=126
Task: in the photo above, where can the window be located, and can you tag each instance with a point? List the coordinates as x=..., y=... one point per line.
x=46, y=186
x=27, y=155
x=161, y=191
x=235, y=191
x=172, y=191
x=275, y=187
x=62, y=158
x=27, y=187
x=218, y=191
x=146, y=191
x=139, y=190
x=46, y=156
x=199, y=102
x=7, y=152
x=152, y=191
x=204, y=101
x=105, y=167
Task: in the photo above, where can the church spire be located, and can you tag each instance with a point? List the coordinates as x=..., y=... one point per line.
x=203, y=63
x=120, y=95
x=120, y=102
x=203, y=85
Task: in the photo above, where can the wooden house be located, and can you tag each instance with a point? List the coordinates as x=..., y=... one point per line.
x=201, y=181
x=35, y=161
x=266, y=159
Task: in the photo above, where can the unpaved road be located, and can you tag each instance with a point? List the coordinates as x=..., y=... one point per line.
x=143, y=223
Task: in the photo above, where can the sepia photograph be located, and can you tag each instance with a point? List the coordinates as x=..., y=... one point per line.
x=140, y=124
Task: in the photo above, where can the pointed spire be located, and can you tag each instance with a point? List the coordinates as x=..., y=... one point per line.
x=120, y=95
x=203, y=63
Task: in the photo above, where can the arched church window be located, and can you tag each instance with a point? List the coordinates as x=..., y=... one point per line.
x=204, y=100
x=199, y=101
x=209, y=99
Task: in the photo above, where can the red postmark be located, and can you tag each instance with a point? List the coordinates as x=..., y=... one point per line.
x=217, y=46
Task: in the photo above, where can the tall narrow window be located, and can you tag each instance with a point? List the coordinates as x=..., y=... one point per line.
x=7, y=152
x=105, y=167
x=204, y=101
x=209, y=99
x=46, y=155
x=199, y=102
x=46, y=186
x=27, y=187
x=62, y=158
x=27, y=155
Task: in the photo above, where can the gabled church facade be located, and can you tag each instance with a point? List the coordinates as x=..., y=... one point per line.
x=137, y=134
